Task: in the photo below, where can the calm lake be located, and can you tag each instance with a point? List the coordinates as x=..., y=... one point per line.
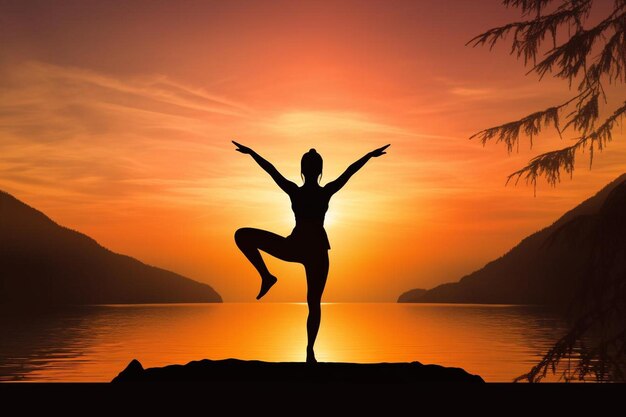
x=94, y=343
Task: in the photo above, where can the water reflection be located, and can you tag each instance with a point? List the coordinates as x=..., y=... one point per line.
x=93, y=343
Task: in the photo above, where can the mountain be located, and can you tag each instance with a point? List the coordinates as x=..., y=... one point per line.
x=546, y=267
x=43, y=263
x=411, y=295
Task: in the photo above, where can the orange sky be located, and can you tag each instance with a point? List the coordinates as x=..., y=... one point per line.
x=116, y=120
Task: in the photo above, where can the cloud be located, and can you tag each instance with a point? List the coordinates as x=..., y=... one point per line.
x=78, y=131
x=95, y=140
x=471, y=92
x=155, y=87
x=323, y=122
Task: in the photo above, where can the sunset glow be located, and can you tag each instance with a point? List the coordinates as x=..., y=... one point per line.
x=118, y=121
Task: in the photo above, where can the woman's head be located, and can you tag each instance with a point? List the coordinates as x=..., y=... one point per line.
x=311, y=166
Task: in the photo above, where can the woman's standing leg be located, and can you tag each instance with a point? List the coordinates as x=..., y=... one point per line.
x=316, y=274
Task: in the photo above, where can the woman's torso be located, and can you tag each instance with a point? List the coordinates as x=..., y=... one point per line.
x=309, y=205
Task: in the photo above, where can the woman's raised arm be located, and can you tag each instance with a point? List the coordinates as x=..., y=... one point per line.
x=284, y=184
x=338, y=184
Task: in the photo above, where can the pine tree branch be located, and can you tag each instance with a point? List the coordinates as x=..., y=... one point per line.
x=531, y=125
x=571, y=57
x=528, y=6
x=560, y=349
x=566, y=61
x=612, y=60
x=608, y=356
x=586, y=113
x=603, y=134
x=550, y=164
x=530, y=34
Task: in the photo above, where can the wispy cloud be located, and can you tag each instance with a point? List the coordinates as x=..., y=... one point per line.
x=80, y=130
x=66, y=81
x=471, y=92
x=309, y=123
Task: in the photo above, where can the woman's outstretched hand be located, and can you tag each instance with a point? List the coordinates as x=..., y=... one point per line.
x=244, y=149
x=379, y=152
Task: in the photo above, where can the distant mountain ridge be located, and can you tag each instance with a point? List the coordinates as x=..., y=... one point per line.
x=544, y=268
x=42, y=262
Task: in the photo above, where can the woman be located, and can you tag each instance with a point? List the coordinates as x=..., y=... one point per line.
x=308, y=243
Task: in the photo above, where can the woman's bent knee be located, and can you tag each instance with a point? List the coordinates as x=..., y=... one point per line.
x=241, y=235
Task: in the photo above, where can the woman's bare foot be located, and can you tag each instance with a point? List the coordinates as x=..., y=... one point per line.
x=310, y=356
x=266, y=284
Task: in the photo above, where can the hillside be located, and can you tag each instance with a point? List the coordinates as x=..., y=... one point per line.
x=546, y=267
x=42, y=262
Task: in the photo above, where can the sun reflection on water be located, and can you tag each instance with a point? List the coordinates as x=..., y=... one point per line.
x=94, y=343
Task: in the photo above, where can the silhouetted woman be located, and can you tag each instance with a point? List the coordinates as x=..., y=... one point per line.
x=308, y=243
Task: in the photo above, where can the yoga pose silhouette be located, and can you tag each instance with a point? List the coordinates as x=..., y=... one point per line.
x=308, y=243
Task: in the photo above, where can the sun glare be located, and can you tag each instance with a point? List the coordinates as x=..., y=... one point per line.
x=329, y=220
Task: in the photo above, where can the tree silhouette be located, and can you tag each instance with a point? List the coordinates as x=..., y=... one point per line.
x=595, y=344
x=557, y=40
x=589, y=56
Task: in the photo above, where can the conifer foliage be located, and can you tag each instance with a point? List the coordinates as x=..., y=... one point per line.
x=555, y=38
x=569, y=40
